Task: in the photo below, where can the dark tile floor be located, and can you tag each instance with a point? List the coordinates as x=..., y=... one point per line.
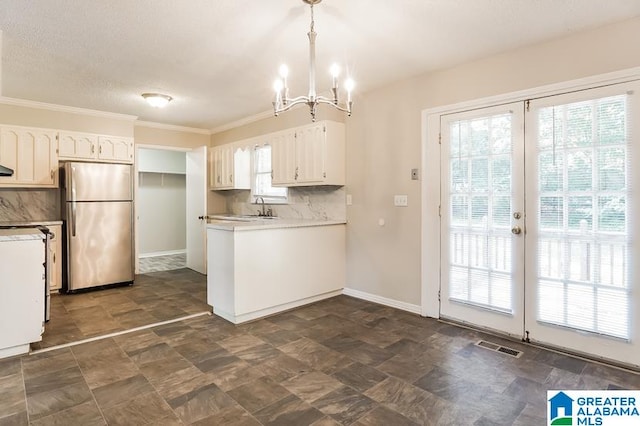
x=153, y=298
x=340, y=361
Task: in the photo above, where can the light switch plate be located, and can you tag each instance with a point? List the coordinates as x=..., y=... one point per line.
x=349, y=199
x=414, y=174
x=400, y=201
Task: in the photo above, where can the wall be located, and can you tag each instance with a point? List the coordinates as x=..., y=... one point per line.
x=170, y=136
x=161, y=210
x=384, y=142
x=61, y=119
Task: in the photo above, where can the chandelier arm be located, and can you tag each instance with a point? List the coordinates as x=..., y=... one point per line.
x=299, y=100
x=345, y=108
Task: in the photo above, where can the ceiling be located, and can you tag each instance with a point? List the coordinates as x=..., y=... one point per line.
x=218, y=58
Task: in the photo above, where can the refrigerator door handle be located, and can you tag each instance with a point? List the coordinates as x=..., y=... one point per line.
x=73, y=219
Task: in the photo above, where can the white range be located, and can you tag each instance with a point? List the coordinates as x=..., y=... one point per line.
x=22, y=289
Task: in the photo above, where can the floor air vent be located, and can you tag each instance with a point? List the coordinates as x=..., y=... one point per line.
x=497, y=348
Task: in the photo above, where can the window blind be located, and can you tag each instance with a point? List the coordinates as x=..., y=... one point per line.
x=583, y=218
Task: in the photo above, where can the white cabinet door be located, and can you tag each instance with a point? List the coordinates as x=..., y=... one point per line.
x=31, y=153
x=283, y=158
x=310, y=154
x=55, y=244
x=117, y=149
x=77, y=146
x=230, y=167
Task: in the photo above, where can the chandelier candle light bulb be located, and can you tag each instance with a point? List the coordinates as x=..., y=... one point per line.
x=283, y=103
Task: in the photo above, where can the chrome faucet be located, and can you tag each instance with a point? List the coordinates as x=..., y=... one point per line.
x=263, y=212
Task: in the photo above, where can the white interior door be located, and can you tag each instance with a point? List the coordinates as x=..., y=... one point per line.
x=482, y=270
x=582, y=204
x=197, y=209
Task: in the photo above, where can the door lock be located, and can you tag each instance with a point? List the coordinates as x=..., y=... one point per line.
x=517, y=215
x=516, y=230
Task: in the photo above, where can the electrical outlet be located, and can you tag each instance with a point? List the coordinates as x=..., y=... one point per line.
x=400, y=201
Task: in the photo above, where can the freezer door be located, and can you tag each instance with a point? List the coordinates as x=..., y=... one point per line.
x=98, y=182
x=100, y=244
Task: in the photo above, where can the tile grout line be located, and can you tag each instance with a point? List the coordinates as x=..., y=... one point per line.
x=118, y=333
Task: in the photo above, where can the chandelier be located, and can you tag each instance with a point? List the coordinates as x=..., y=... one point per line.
x=282, y=100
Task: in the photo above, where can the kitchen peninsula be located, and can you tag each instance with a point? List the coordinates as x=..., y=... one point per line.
x=263, y=266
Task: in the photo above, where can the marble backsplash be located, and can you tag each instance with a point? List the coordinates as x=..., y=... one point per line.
x=29, y=204
x=313, y=202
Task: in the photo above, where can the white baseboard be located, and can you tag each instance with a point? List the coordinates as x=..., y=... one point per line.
x=250, y=316
x=414, y=309
x=162, y=253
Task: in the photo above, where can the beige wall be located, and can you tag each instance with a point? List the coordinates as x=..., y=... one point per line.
x=298, y=116
x=60, y=120
x=384, y=143
x=165, y=137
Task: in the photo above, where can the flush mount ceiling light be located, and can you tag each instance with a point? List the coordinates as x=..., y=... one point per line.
x=157, y=100
x=282, y=101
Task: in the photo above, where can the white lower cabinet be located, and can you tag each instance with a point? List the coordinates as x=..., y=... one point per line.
x=255, y=273
x=31, y=153
x=55, y=247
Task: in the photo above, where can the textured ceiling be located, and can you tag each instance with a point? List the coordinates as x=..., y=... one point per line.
x=218, y=58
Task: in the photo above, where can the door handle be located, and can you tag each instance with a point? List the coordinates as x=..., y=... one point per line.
x=516, y=230
x=201, y=217
x=73, y=219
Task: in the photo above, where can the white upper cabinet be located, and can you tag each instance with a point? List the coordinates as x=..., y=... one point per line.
x=31, y=153
x=86, y=146
x=309, y=155
x=230, y=167
x=115, y=149
x=73, y=146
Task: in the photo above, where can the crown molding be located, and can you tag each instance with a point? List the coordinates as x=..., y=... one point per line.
x=242, y=121
x=153, y=125
x=63, y=108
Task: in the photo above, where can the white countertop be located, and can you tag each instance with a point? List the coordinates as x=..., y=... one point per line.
x=20, y=234
x=30, y=223
x=257, y=223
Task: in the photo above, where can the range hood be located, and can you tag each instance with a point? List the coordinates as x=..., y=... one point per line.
x=5, y=171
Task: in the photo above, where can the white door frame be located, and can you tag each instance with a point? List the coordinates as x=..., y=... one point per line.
x=430, y=191
x=136, y=187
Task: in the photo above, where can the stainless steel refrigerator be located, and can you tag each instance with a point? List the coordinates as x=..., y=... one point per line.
x=98, y=213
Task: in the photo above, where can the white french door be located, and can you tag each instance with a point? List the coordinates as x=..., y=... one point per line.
x=538, y=229
x=482, y=269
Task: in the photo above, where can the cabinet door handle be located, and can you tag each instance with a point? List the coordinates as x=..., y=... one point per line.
x=52, y=173
x=218, y=179
x=93, y=148
x=100, y=150
x=54, y=258
x=231, y=178
x=296, y=175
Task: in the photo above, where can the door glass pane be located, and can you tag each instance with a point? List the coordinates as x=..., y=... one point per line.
x=583, y=247
x=479, y=215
